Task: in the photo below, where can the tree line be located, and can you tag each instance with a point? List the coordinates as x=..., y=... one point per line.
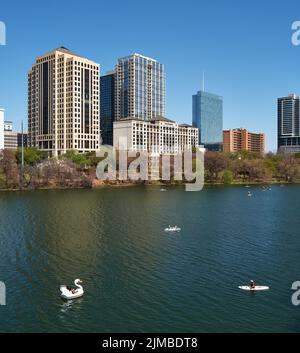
x=74, y=170
x=247, y=167
x=71, y=170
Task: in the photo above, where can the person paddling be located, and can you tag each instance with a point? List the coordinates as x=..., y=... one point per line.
x=252, y=284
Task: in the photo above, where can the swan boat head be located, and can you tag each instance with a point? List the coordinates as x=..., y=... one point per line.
x=78, y=283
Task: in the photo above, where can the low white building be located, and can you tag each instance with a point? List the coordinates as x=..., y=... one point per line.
x=157, y=136
x=1, y=129
x=10, y=137
x=10, y=140
x=8, y=126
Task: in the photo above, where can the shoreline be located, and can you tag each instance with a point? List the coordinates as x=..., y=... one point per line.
x=158, y=184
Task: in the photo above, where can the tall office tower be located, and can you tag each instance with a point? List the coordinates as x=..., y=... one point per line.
x=242, y=140
x=63, y=103
x=140, y=88
x=288, y=124
x=107, y=107
x=1, y=129
x=208, y=118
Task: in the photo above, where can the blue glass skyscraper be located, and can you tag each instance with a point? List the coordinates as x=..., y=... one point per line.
x=208, y=118
x=107, y=107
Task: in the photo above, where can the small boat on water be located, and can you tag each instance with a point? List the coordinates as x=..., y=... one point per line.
x=72, y=293
x=249, y=194
x=253, y=287
x=163, y=189
x=256, y=288
x=172, y=229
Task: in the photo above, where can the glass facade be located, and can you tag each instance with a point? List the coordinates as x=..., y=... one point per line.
x=107, y=107
x=289, y=124
x=208, y=118
x=140, y=88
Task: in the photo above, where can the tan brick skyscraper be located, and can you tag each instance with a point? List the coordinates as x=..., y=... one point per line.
x=63, y=103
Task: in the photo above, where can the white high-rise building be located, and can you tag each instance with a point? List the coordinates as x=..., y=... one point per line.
x=1, y=129
x=158, y=136
x=140, y=88
x=64, y=103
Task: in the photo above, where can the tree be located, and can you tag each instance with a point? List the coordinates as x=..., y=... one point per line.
x=227, y=177
x=10, y=169
x=92, y=158
x=245, y=155
x=31, y=156
x=215, y=162
x=288, y=169
x=80, y=160
x=255, y=169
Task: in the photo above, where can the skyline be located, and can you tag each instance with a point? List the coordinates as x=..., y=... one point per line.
x=224, y=48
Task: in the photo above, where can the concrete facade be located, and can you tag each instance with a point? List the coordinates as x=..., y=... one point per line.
x=158, y=136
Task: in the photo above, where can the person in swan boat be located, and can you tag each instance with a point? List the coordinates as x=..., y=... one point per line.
x=72, y=290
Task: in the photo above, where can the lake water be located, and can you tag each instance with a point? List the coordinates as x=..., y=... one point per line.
x=137, y=278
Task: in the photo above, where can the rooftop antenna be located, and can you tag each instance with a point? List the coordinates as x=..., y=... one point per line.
x=203, y=81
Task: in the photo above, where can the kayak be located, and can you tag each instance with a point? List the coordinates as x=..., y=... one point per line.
x=256, y=288
x=173, y=229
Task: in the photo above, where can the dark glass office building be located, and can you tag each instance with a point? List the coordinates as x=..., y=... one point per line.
x=208, y=118
x=19, y=138
x=289, y=124
x=107, y=107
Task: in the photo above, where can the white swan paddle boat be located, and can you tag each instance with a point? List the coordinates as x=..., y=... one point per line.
x=172, y=229
x=72, y=293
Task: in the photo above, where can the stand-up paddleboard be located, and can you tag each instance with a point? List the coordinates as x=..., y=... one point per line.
x=256, y=288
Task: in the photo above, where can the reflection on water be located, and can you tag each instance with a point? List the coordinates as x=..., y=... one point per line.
x=69, y=304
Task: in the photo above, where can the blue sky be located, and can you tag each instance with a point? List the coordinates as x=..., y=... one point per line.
x=244, y=48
